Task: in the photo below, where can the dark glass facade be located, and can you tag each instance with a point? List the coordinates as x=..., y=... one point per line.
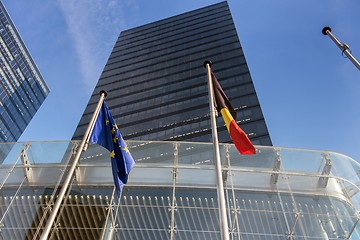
x=23, y=89
x=157, y=85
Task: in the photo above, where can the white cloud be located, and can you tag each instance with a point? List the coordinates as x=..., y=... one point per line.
x=94, y=27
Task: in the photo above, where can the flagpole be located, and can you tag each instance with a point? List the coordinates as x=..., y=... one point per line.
x=50, y=221
x=220, y=187
x=343, y=46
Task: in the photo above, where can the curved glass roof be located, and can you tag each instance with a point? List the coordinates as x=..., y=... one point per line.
x=171, y=193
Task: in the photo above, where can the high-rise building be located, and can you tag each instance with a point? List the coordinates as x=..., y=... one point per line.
x=277, y=193
x=157, y=85
x=23, y=89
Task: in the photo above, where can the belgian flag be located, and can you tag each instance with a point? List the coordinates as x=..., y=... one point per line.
x=223, y=105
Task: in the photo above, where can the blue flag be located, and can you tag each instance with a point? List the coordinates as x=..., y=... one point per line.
x=106, y=134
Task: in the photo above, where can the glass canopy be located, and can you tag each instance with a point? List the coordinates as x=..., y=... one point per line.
x=278, y=193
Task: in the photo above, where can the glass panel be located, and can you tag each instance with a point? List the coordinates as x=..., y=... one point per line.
x=144, y=213
x=263, y=159
x=197, y=214
x=84, y=214
x=259, y=214
x=29, y=174
x=195, y=154
x=302, y=160
x=152, y=152
x=302, y=201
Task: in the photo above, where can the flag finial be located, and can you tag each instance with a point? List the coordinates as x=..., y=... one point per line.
x=207, y=62
x=325, y=29
x=103, y=92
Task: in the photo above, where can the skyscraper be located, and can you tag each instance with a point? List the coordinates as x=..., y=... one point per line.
x=158, y=87
x=23, y=89
x=277, y=193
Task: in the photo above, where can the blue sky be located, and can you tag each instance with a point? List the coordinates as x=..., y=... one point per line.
x=309, y=93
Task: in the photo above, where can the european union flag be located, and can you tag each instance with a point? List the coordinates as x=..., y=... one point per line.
x=106, y=134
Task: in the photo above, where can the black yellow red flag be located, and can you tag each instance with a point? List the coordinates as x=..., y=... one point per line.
x=223, y=105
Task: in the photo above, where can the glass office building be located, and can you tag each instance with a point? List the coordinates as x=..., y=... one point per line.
x=157, y=85
x=23, y=89
x=276, y=194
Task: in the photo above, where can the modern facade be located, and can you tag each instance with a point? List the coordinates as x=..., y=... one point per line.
x=157, y=85
x=276, y=194
x=23, y=89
